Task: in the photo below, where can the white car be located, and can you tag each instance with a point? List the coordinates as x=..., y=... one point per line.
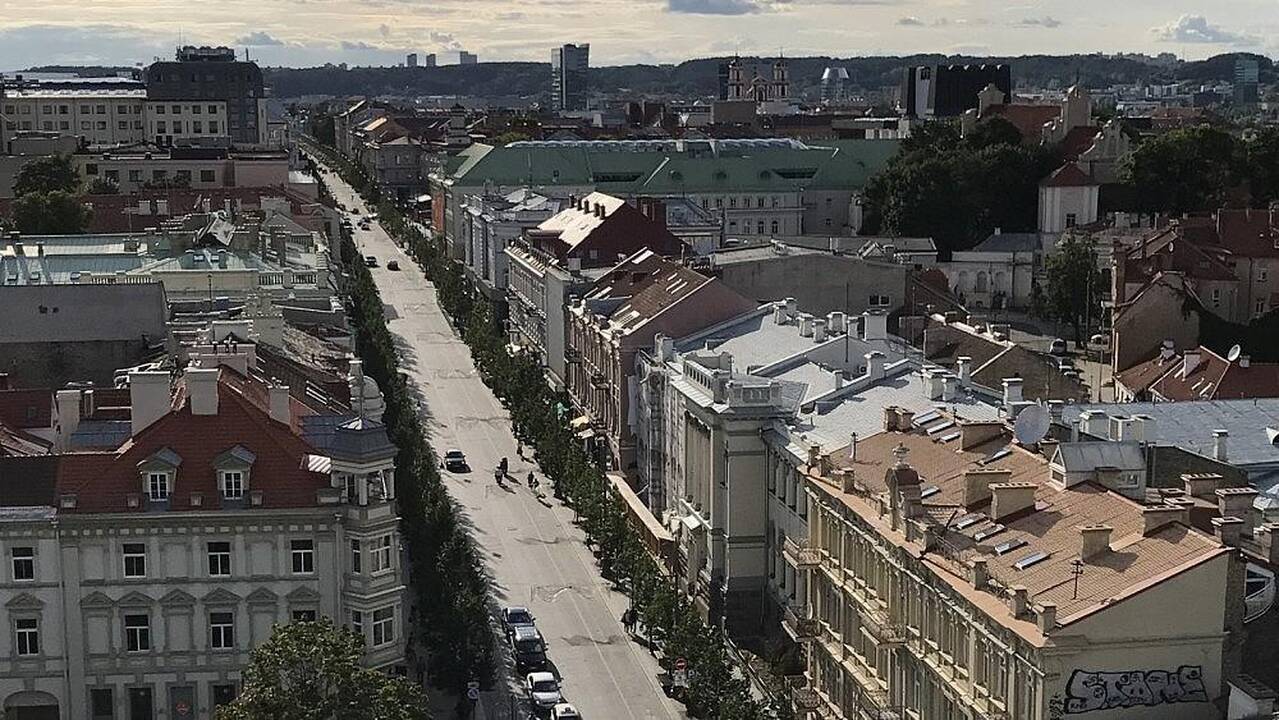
x=564, y=711
x=543, y=690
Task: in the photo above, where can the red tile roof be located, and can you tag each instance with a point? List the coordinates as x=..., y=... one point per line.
x=1069, y=175
x=1216, y=378
x=26, y=408
x=1028, y=119
x=103, y=482
x=1078, y=141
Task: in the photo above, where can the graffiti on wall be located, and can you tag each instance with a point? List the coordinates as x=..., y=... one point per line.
x=1089, y=691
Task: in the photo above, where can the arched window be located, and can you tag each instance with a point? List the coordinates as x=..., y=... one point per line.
x=982, y=283
x=773, y=227
x=760, y=226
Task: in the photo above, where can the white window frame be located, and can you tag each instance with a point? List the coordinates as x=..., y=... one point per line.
x=26, y=636
x=219, y=559
x=357, y=558
x=302, y=559
x=159, y=486
x=137, y=638
x=27, y=560
x=128, y=555
x=222, y=630
x=227, y=479
x=357, y=625
x=382, y=553
x=384, y=626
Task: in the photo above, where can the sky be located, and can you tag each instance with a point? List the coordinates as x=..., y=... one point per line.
x=380, y=32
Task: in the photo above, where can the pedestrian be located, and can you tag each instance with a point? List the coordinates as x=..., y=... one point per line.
x=532, y=481
x=519, y=450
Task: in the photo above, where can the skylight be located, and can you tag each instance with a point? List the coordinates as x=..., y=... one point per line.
x=1008, y=546
x=927, y=417
x=949, y=437
x=938, y=428
x=988, y=533
x=1031, y=559
x=969, y=521
x=997, y=455
x=928, y=491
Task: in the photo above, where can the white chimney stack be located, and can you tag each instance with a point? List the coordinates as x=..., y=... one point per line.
x=67, y=405
x=1012, y=391
x=874, y=326
x=819, y=330
x=875, y=364
x=964, y=366
x=1219, y=444
x=149, y=398
x=805, y=325
x=202, y=389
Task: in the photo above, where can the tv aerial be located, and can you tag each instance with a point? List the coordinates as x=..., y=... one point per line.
x=1032, y=425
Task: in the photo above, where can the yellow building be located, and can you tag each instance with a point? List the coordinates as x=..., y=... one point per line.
x=955, y=574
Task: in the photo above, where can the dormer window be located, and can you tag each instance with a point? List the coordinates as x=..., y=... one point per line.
x=158, y=485
x=232, y=483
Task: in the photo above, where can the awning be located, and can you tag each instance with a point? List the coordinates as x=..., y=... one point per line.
x=580, y=421
x=690, y=522
x=635, y=507
x=586, y=434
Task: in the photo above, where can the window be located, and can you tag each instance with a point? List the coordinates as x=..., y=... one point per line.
x=760, y=227
x=182, y=177
x=303, y=556
x=222, y=630
x=773, y=227
x=1263, y=273
x=26, y=636
x=177, y=109
x=195, y=109
x=197, y=126
x=112, y=176
x=135, y=560
x=102, y=109
x=24, y=563
x=223, y=695
x=732, y=202
x=137, y=633
x=64, y=124
x=158, y=486
x=141, y=705
x=1070, y=219
x=1216, y=296
x=161, y=127
x=232, y=484
x=135, y=176
x=1260, y=308
x=159, y=109
x=357, y=623
x=46, y=110
x=159, y=175
x=207, y=176
x=102, y=704
x=759, y=201
x=213, y=109
x=85, y=125
x=123, y=125
x=383, y=626
x=102, y=124
x=213, y=127
x=64, y=109
x=382, y=554
x=219, y=559
x=878, y=300
x=357, y=557
x=303, y=616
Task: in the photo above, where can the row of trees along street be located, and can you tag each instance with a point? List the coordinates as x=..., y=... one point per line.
x=717, y=688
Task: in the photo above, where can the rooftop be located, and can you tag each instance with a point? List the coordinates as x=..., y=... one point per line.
x=1190, y=425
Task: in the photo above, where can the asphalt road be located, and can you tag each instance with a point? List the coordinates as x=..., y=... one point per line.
x=535, y=553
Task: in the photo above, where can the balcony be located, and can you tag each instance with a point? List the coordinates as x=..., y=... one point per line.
x=805, y=699
x=797, y=623
x=880, y=624
x=800, y=554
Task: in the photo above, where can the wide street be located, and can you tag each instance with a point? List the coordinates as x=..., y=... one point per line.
x=535, y=554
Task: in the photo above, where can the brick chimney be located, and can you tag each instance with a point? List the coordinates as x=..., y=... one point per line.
x=1010, y=498
x=1237, y=502
x=1155, y=517
x=1227, y=530
x=202, y=390
x=977, y=485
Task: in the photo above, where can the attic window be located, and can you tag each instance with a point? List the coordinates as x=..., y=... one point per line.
x=158, y=486
x=232, y=484
x=764, y=174
x=1031, y=559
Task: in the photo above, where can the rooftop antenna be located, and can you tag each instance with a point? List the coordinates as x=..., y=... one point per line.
x=1032, y=425
x=1234, y=353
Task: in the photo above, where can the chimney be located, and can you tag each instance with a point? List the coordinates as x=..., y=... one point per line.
x=1046, y=618
x=1094, y=540
x=1244, y=361
x=1145, y=429
x=934, y=384
x=792, y=308
x=890, y=418
x=981, y=573
x=874, y=364
x=1012, y=391
x=202, y=389
x=1009, y=498
x=972, y=434
x=964, y=366
x=67, y=405
x=1227, y=530
x=1219, y=444
x=1201, y=485
x=977, y=484
x=819, y=330
x=1189, y=361
x=149, y=398
x=1095, y=422
x=950, y=387
x=1237, y=502
x=280, y=410
x=779, y=313
x=805, y=325
x=1265, y=537
x=874, y=326
x=835, y=322
x=1157, y=516
x=1018, y=600
x=1168, y=350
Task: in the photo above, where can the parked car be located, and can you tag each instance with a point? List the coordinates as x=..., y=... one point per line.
x=1057, y=347
x=514, y=617
x=528, y=648
x=543, y=691
x=370, y=261
x=455, y=461
x=393, y=265
x=564, y=711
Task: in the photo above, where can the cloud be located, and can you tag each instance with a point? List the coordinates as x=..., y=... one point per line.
x=384, y=30
x=910, y=21
x=1197, y=29
x=359, y=46
x=258, y=39
x=714, y=7
x=1045, y=21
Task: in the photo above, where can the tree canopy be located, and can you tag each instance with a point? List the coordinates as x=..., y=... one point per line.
x=1182, y=171
x=47, y=174
x=312, y=671
x=1074, y=284
x=54, y=212
x=958, y=190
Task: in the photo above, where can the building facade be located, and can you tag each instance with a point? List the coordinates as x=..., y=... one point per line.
x=570, y=70
x=213, y=74
x=107, y=116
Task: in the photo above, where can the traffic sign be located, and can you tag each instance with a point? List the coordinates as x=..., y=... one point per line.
x=679, y=678
x=681, y=664
x=473, y=694
x=182, y=708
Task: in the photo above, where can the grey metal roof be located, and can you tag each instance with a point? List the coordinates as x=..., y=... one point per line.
x=1090, y=455
x=100, y=434
x=1189, y=425
x=360, y=440
x=1008, y=242
x=82, y=313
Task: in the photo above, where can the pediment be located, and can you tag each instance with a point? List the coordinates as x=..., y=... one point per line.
x=96, y=599
x=220, y=596
x=262, y=596
x=135, y=598
x=178, y=597
x=25, y=601
x=303, y=595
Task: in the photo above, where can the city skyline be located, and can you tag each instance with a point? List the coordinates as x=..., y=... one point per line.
x=380, y=32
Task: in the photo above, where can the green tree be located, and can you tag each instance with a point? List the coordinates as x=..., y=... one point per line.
x=507, y=138
x=47, y=174
x=50, y=213
x=1260, y=165
x=1183, y=171
x=312, y=671
x=1074, y=286
x=991, y=132
x=100, y=186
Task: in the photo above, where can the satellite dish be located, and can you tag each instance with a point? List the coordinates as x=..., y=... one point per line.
x=1032, y=425
x=1233, y=355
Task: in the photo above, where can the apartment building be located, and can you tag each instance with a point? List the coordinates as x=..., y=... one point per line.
x=137, y=578
x=188, y=122
x=103, y=115
x=493, y=221
x=194, y=168
x=211, y=75
x=958, y=574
